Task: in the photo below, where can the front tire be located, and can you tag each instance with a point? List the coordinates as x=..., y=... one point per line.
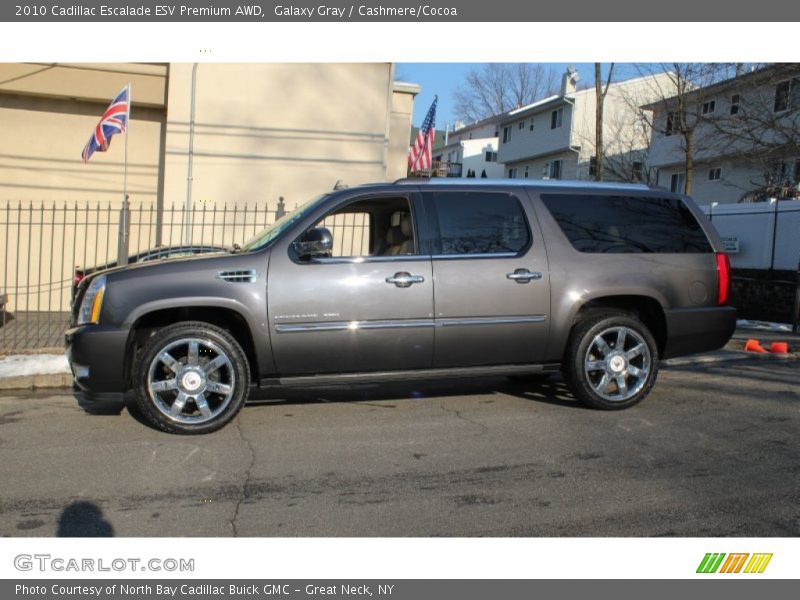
x=191, y=378
x=611, y=361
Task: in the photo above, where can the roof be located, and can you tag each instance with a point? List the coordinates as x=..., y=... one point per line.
x=478, y=124
x=779, y=70
x=535, y=107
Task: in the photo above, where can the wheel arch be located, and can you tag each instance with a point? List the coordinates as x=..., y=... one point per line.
x=233, y=321
x=646, y=308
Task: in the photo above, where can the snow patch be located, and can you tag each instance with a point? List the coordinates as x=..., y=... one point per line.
x=763, y=325
x=34, y=364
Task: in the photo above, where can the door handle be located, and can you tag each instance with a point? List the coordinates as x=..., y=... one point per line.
x=404, y=280
x=523, y=275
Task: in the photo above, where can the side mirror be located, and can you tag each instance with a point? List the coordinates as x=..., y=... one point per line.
x=314, y=242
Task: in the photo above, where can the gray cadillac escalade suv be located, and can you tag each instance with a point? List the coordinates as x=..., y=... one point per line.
x=411, y=280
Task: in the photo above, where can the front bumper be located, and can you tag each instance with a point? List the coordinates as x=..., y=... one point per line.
x=96, y=356
x=692, y=330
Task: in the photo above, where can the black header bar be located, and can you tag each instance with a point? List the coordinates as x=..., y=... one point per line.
x=394, y=11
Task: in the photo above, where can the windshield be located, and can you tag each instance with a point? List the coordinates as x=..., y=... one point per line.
x=265, y=237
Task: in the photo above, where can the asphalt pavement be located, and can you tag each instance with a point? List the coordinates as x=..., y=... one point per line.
x=714, y=451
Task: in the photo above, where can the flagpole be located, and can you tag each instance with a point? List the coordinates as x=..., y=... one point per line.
x=123, y=250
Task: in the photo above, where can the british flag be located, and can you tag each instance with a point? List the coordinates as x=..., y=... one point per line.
x=419, y=159
x=113, y=121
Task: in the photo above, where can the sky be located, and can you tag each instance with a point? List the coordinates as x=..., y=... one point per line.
x=443, y=78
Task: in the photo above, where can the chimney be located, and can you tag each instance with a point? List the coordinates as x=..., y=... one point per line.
x=569, y=81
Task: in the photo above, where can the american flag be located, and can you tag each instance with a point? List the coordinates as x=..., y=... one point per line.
x=419, y=159
x=113, y=121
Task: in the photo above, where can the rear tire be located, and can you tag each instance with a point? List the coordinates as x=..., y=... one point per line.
x=611, y=360
x=191, y=378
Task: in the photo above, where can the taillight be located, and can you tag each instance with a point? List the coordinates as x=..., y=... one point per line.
x=724, y=278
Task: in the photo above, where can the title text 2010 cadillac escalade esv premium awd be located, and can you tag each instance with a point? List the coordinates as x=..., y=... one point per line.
x=413, y=280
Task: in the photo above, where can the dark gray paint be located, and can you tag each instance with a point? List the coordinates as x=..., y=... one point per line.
x=341, y=316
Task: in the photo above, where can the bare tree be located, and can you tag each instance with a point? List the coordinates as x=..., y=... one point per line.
x=764, y=129
x=630, y=160
x=496, y=88
x=680, y=105
x=600, y=96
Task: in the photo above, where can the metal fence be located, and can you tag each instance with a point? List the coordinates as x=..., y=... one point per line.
x=43, y=244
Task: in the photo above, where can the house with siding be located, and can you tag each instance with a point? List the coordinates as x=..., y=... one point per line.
x=473, y=148
x=746, y=140
x=554, y=138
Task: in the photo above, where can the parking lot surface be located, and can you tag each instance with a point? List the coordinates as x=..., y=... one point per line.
x=712, y=452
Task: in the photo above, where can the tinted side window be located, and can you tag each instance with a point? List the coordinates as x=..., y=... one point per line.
x=480, y=223
x=616, y=224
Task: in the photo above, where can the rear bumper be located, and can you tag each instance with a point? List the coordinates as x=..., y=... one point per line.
x=96, y=356
x=692, y=330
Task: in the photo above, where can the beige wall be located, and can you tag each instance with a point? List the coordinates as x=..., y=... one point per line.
x=47, y=114
x=269, y=130
x=400, y=131
x=261, y=131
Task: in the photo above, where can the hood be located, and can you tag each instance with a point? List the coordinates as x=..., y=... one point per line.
x=201, y=262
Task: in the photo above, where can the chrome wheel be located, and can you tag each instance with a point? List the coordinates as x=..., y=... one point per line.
x=191, y=380
x=617, y=363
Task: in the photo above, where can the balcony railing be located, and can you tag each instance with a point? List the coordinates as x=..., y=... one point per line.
x=439, y=168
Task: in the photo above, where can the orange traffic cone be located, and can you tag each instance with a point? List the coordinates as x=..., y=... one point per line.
x=753, y=346
x=779, y=347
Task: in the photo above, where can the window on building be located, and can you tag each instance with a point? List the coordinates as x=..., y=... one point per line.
x=592, y=166
x=789, y=171
x=627, y=224
x=787, y=95
x=480, y=223
x=735, y=100
x=673, y=123
x=506, y=134
x=531, y=125
x=715, y=174
x=522, y=125
x=512, y=173
x=491, y=156
x=677, y=183
x=526, y=172
x=556, y=118
x=637, y=170
x=709, y=107
x=556, y=169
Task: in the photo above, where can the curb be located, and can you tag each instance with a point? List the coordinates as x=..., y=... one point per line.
x=33, y=382
x=64, y=380
x=726, y=356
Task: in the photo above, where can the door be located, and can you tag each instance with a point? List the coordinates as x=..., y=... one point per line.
x=366, y=307
x=492, y=287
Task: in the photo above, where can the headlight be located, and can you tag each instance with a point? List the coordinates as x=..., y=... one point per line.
x=92, y=301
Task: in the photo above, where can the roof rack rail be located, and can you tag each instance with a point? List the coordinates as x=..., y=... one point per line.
x=553, y=183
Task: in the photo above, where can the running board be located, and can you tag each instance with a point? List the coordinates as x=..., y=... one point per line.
x=414, y=375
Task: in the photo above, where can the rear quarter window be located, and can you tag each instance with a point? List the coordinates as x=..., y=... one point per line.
x=627, y=224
